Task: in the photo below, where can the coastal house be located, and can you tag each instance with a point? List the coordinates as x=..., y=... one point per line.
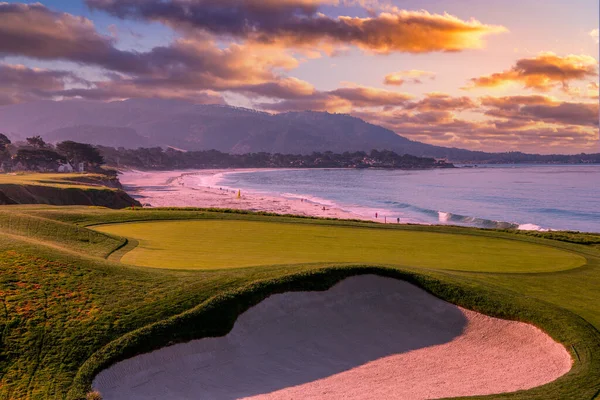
x=81, y=167
x=67, y=167
x=6, y=166
x=19, y=167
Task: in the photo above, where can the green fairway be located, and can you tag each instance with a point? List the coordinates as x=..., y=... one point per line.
x=231, y=244
x=69, y=308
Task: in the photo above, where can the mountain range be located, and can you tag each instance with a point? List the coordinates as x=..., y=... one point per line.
x=170, y=123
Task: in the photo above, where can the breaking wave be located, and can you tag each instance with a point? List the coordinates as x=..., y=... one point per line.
x=444, y=217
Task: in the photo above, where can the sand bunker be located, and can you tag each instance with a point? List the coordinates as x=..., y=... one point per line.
x=368, y=337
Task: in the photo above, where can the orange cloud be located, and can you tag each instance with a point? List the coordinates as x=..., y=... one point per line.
x=544, y=72
x=592, y=90
x=412, y=76
x=514, y=102
x=299, y=23
x=441, y=102
x=445, y=129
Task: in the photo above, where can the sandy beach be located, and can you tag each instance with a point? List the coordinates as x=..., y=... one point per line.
x=199, y=188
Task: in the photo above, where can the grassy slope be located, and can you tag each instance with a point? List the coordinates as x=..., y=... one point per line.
x=62, y=302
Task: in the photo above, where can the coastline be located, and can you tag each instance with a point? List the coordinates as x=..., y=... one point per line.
x=199, y=188
x=205, y=188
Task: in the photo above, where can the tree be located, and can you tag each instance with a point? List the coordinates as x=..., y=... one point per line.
x=4, y=142
x=39, y=158
x=36, y=142
x=80, y=152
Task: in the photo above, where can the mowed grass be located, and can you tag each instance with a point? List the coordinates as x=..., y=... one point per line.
x=216, y=244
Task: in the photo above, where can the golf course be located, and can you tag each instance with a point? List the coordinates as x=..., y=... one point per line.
x=86, y=289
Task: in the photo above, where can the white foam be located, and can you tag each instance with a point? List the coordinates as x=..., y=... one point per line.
x=531, y=227
x=444, y=216
x=312, y=199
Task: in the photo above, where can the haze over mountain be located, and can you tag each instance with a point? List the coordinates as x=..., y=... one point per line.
x=99, y=135
x=179, y=124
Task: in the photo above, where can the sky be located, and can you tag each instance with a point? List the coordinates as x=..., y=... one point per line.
x=492, y=75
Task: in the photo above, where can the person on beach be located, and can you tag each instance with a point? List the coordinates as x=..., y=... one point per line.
x=398, y=219
x=376, y=215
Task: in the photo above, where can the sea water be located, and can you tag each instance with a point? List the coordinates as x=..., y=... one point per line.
x=565, y=197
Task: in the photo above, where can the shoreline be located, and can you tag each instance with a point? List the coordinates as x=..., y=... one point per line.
x=199, y=188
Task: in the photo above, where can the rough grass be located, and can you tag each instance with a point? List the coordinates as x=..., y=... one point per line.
x=63, y=234
x=216, y=244
x=65, y=312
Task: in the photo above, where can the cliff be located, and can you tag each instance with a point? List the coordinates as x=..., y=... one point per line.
x=70, y=189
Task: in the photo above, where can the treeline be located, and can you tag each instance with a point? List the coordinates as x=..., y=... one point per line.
x=516, y=157
x=157, y=158
x=34, y=154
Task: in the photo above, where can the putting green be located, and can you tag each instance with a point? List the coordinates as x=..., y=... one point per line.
x=231, y=244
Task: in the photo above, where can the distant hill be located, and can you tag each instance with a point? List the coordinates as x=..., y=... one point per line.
x=153, y=122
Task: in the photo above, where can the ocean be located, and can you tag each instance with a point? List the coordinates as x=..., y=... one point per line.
x=560, y=197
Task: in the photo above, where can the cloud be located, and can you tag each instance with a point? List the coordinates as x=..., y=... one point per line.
x=544, y=72
x=189, y=65
x=564, y=113
x=120, y=90
x=441, y=102
x=446, y=129
x=542, y=109
x=361, y=96
x=515, y=102
x=412, y=76
x=186, y=65
x=38, y=32
x=197, y=67
x=594, y=34
x=282, y=88
x=342, y=100
x=592, y=90
x=19, y=83
x=298, y=23
x=528, y=123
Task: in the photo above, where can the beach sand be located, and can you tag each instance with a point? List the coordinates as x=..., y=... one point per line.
x=198, y=188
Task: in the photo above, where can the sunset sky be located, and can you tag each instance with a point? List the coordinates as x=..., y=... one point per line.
x=493, y=75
